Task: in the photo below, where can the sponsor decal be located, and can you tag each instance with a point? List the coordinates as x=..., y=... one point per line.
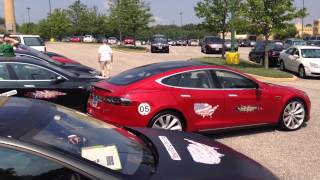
x=45, y=94
x=202, y=153
x=169, y=147
x=107, y=156
x=248, y=108
x=204, y=109
x=144, y=109
x=9, y=93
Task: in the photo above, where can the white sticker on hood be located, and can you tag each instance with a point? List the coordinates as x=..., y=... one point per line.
x=202, y=153
x=9, y=93
x=171, y=150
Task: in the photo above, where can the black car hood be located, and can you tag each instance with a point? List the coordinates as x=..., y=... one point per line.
x=79, y=68
x=225, y=164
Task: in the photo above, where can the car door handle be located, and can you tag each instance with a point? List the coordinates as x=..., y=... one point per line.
x=29, y=86
x=233, y=95
x=185, y=96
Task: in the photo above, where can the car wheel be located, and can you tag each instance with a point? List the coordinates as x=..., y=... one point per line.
x=169, y=120
x=205, y=50
x=152, y=51
x=293, y=115
x=302, y=72
x=282, y=66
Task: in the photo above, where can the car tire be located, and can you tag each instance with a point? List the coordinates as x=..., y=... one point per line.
x=302, y=72
x=169, y=120
x=293, y=115
x=282, y=66
x=205, y=50
x=152, y=51
x=168, y=51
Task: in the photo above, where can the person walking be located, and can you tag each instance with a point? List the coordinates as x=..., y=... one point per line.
x=6, y=48
x=105, y=59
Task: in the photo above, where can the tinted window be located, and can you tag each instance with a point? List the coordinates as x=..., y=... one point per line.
x=213, y=40
x=30, y=72
x=290, y=51
x=299, y=43
x=33, y=41
x=194, y=79
x=4, y=74
x=310, y=53
x=229, y=80
x=17, y=165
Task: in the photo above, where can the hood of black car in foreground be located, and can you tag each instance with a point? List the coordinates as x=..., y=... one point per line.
x=194, y=156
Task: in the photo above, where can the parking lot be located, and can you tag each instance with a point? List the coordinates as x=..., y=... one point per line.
x=290, y=155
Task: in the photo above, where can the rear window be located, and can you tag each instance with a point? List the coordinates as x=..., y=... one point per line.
x=33, y=41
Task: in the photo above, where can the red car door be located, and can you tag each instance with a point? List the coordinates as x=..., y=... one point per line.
x=242, y=99
x=202, y=105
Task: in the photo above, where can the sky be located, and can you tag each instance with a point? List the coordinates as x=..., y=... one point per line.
x=164, y=11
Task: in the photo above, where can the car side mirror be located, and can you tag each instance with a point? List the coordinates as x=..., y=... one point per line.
x=296, y=56
x=59, y=79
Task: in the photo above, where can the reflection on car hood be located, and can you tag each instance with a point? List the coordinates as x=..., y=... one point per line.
x=225, y=163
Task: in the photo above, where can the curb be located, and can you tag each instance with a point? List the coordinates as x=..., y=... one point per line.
x=294, y=78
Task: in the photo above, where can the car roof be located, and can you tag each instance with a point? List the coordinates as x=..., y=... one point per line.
x=22, y=59
x=170, y=65
x=20, y=115
x=307, y=47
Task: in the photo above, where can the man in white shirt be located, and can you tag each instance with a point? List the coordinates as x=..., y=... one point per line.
x=105, y=59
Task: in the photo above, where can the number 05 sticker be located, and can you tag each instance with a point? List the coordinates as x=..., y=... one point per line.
x=144, y=109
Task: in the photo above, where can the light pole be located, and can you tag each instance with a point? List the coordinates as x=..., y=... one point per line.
x=49, y=7
x=28, y=10
x=302, y=29
x=181, y=18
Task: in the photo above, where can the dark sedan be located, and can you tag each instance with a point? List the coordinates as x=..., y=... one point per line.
x=39, y=140
x=257, y=54
x=37, y=55
x=40, y=80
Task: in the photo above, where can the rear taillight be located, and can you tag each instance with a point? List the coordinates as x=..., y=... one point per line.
x=117, y=101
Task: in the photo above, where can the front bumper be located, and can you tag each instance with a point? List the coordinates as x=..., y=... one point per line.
x=312, y=72
x=160, y=48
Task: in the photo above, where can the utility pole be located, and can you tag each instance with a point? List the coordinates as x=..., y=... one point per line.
x=49, y=7
x=302, y=23
x=28, y=10
x=9, y=16
x=181, y=18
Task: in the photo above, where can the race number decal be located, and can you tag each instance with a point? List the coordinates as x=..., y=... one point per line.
x=144, y=109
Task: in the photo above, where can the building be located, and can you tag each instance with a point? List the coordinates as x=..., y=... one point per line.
x=307, y=30
x=316, y=27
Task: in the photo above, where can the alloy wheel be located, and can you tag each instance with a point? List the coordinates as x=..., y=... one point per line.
x=302, y=73
x=282, y=68
x=168, y=121
x=294, y=115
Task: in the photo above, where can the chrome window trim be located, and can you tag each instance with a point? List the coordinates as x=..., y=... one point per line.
x=44, y=80
x=159, y=81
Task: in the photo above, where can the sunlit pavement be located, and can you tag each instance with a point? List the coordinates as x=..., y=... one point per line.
x=290, y=155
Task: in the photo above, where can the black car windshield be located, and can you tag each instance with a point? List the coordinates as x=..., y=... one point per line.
x=160, y=40
x=214, y=40
x=85, y=137
x=310, y=53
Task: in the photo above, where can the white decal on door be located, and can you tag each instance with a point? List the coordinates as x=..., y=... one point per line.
x=204, y=109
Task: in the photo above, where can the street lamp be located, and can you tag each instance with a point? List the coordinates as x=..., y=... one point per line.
x=181, y=18
x=28, y=10
x=302, y=29
x=49, y=7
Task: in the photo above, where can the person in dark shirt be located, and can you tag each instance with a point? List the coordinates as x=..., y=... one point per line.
x=6, y=46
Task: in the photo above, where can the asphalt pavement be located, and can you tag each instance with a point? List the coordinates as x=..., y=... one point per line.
x=290, y=155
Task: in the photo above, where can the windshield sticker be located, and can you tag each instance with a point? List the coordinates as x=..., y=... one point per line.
x=205, y=109
x=45, y=94
x=107, y=156
x=144, y=109
x=248, y=108
x=171, y=150
x=202, y=153
x=9, y=93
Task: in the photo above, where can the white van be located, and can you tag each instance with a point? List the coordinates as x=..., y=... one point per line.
x=33, y=41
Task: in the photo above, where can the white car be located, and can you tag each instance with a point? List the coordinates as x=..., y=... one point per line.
x=89, y=39
x=305, y=60
x=33, y=41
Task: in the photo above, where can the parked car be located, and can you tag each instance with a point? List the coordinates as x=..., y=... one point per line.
x=244, y=43
x=313, y=43
x=193, y=42
x=212, y=44
x=227, y=44
x=198, y=97
x=304, y=60
x=112, y=40
x=181, y=42
x=75, y=39
x=100, y=38
x=170, y=42
x=257, y=54
x=159, y=43
x=66, y=39
x=39, y=140
x=129, y=41
x=294, y=42
x=60, y=58
x=33, y=41
x=75, y=67
x=40, y=80
x=89, y=39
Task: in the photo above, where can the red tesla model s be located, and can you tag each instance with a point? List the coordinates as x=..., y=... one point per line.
x=191, y=96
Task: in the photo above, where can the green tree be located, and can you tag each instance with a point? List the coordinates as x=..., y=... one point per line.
x=267, y=16
x=217, y=14
x=28, y=28
x=58, y=23
x=129, y=16
x=1, y=20
x=78, y=15
x=288, y=32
